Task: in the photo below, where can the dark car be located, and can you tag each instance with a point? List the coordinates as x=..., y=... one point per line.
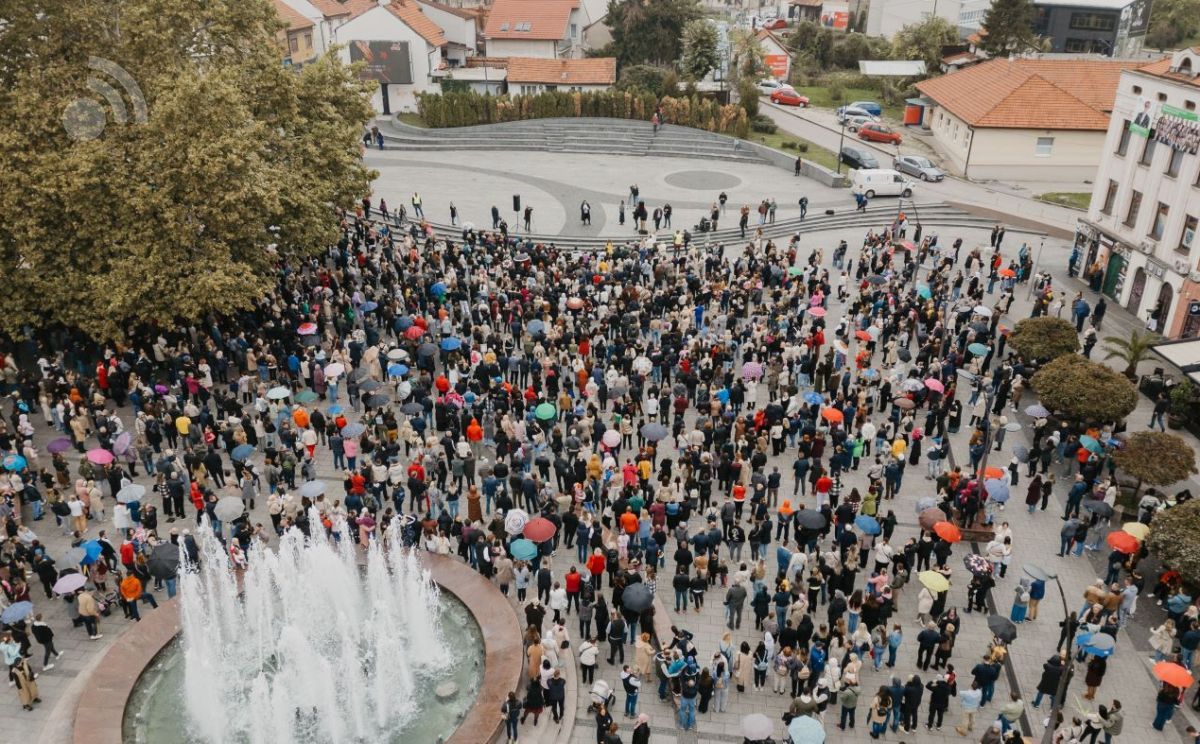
x=855, y=157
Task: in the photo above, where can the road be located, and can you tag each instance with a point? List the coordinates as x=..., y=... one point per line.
x=820, y=127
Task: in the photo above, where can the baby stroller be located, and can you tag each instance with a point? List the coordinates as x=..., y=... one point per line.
x=105, y=602
x=601, y=694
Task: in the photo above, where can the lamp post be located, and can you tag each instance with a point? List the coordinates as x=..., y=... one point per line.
x=1037, y=572
x=841, y=140
x=1037, y=262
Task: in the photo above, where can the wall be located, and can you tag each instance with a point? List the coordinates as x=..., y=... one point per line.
x=1055, y=24
x=521, y=48
x=886, y=17
x=379, y=24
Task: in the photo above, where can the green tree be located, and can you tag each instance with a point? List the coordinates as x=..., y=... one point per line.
x=1044, y=337
x=699, y=49
x=643, y=77
x=1009, y=28
x=1156, y=458
x=1132, y=349
x=1172, y=21
x=852, y=47
x=812, y=39
x=1175, y=539
x=233, y=163
x=924, y=41
x=748, y=61
x=648, y=30
x=1084, y=391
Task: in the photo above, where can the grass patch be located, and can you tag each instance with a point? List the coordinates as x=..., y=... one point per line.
x=412, y=119
x=818, y=96
x=1072, y=199
x=815, y=154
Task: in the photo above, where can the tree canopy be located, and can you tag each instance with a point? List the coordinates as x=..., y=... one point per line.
x=924, y=41
x=699, y=49
x=1175, y=538
x=1009, y=28
x=1171, y=22
x=1083, y=390
x=1044, y=337
x=648, y=31
x=656, y=80
x=233, y=163
x=1156, y=457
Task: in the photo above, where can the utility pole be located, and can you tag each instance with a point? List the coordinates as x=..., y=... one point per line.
x=1060, y=692
x=1037, y=262
x=841, y=139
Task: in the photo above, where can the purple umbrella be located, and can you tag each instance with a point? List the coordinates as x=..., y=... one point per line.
x=55, y=446
x=122, y=442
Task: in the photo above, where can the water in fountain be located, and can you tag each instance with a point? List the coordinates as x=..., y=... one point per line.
x=315, y=650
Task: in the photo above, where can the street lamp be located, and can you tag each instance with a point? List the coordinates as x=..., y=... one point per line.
x=1040, y=574
x=841, y=140
x=1037, y=262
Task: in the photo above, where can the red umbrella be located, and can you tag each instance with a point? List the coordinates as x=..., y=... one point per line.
x=1122, y=541
x=442, y=384
x=1173, y=674
x=414, y=332
x=993, y=473
x=540, y=530
x=307, y=329
x=833, y=415
x=862, y=335
x=948, y=532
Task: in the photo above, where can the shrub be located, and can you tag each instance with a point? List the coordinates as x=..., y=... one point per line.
x=1084, y=391
x=836, y=94
x=1045, y=338
x=1175, y=539
x=763, y=124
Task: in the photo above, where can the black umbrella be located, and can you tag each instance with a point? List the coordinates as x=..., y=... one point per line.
x=904, y=354
x=876, y=279
x=370, y=386
x=377, y=401
x=1002, y=628
x=427, y=349
x=810, y=519
x=358, y=374
x=310, y=340
x=637, y=597
x=1103, y=509
x=412, y=408
x=164, y=561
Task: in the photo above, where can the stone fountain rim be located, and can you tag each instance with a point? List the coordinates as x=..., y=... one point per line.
x=100, y=714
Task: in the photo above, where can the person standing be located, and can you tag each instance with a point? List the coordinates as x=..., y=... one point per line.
x=44, y=635
x=27, y=688
x=687, y=703
x=589, y=655
x=631, y=684
x=969, y=701
x=510, y=711
x=1165, y=704
x=89, y=613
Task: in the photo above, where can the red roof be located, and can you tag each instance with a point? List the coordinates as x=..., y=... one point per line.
x=1162, y=69
x=337, y=9
x=290, y=17
x=591, y=71
x=539, y=20
x=411, y=15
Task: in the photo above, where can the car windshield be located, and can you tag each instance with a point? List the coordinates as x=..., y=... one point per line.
x=921, y=162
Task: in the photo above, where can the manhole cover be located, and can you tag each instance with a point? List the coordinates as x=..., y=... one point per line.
x=699, y=180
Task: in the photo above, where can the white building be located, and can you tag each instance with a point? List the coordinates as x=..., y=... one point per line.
x=531, y=75
x=1138, y=240
x=402, y=48
x=886, y=17
x=459, y=26
x=549, y=29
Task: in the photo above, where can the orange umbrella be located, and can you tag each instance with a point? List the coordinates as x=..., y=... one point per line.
x=1009, y=273
x=862, y=335
x=300, y=416
x=1173, y=674
x=993, y=473
x=948, y=532
x=1122, y=541
x=832, y=415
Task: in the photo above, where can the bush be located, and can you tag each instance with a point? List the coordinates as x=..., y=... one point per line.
x=836, y=94
x=1175, y=539
x=763, y=125
x=1044, y=338
x=788, y=145
x=1084, y=391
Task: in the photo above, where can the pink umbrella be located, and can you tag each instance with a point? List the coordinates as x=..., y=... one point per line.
x=122, y=442
x=935, y=385
x=99, y=456
x=752, y=370
x=307, y=329
x=817, y=312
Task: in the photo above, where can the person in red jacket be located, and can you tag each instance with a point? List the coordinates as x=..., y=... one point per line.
x=573, y=582
x=595, y=566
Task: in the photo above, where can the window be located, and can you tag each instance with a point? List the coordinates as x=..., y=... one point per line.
x=1110, y=198
x=1135, y=204
x=1123, y=144
x=1176, y=163
x=1093, y=22
x=1160, y=221
x=1189, y=233
x=308, y=40
x=1148, y=151
x=1045, y=145
x=574, y=30
x=294, y=44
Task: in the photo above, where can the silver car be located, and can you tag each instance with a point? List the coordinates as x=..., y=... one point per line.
x=915, y=165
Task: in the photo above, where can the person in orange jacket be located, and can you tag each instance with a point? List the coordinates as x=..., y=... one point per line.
x=132, y=592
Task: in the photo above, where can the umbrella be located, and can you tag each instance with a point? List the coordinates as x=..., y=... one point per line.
x=904, y=404
x=911, y=385
x=752, y=370
x=306, y=396
x=1173, y=674
x=278, y=393
x=1002, y=628
x=1099, y=644
x=312, y=488
x=611, y=438
x=998, y=490
x=654, y=432
x=933, y=581
x=876, y=279
x=1137, y=529
x=977, y=349
x=91, y=552
x=132, y=492
x=870, y=374
x=438, y=288
x=99, y=456
x=451, y=344
x=523, y=550
x=1021, y=452
x=904, y=354
x=353, y=430
x=55, y=446
x=412, y=408
x=637, y=598
x=540, y=529
x=376, y=401
x=810, y=519
x=1037, y=410
x=361, y=372
x=545, y=412
x=164, y=561
x=993, y=473
x=69, y=583
x=1101, y=508
x=1007, y=273
x=756, y=726
x=817, y=312
x=575, y=303
x=947, y=531
x=924, y=292
x=16, y=612
x=310, y=340
x=868, y=525
x=795, y=271
x=426, y=349
x=862, y=335
x=242, y=452
x=1091, y=444
x=1037, y=572
x=397, y=370
x=981, y=310
x=1012, y=426
x=832, y=415
x=515, y=521
x=1122, y=542
x=926, y=503
x=412, y=333
x=935, y=385
x=369, y=386
x=75, y=556
x=537, y=326
x=643, y=365
x=927, y=518
x=977, y=564
x=368, y=306
x=814, y=399
x=122, y=442
x=306, y=329
x=806, y=730
x=336, y=369
x=14, y=463
x=229, y=508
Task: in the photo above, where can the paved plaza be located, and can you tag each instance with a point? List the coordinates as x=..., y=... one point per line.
x=555, y=185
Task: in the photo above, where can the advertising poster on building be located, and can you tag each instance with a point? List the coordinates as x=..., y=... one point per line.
x=836, y=16
x=1178, y=128
x=778, y=65
x=385, y=61
x=1143, y=116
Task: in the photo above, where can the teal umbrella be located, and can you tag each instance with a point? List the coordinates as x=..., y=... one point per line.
x=545, y=412
x=305, y=396
x=1091, y=444
x=523, y=550
x=924, y=292
x=806, y=730
x=977, y=349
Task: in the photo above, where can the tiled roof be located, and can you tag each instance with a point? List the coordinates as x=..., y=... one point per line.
x=467, y=13
x=592, y=71
x=337, y=9
x=529, y=19
x=410, y=14
x=1162, y=69
x=290, y=17
x=1031, y=93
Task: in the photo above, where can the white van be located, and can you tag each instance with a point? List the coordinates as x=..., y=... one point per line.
x=872, y=182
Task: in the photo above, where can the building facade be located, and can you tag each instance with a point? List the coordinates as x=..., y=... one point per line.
x=1115, y=28
x=887, y=17
x=1138, y=241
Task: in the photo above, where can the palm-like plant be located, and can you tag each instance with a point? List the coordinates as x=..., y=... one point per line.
x=1131, y=350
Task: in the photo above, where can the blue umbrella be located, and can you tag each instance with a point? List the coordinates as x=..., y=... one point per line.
x=1099, y=644
x=397, y=370
x=977, y=349
x=870, y=374
x=14, y=463
x=536, y=326
x=439, y=288
x=404, y=323
x=16, y=612
x=523, y=550
x=451, y=344
x=91, y=552
x=353, y=430
x=813, y=398
x=1091, y=444
x=242, y=452
x=335, y=410
x=868, y=525
x=1037, y=411
x=806, y=730
x=368, y=307
x=997, y=489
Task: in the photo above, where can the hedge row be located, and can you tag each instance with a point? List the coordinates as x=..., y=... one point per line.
x=464, y=109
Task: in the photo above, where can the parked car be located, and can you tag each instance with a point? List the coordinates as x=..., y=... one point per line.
x=854, y=123
x=774, y=24
x=874, y=109
x=847, y=112
x=875, y=132
x=856, y=157
x=789, y=97
x=915, y=165
x=872, y=182
x=767, y=86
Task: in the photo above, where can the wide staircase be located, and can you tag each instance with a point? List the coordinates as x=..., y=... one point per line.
x=600, y=136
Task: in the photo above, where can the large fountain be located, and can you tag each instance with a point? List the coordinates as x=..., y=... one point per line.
x=314, y=647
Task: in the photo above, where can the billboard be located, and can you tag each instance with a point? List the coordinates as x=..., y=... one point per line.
x=1137, y=16
x=778, y=65
x=385, y=61
x=835, y=15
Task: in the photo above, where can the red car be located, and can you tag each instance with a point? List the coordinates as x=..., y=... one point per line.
x=774, y=25
x=788, y=97
x=878, y=133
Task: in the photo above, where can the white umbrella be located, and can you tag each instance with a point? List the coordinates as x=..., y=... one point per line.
x=334, y=370
x=642, y=365
x=132, y=492
x=278, y=393
x=515, y=521
x=757, y=726
x=981, y=310
x=229, y=508
x=611, y=438
x=397, y=355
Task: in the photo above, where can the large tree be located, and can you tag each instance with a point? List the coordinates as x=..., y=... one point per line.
x=228, y=163
x=1175, y=539
x=1008, y=27
x=648, y=31
x=699, y=49
x=1172, y=21
x=1083, y=391
x=1156, y=458
x=1044, y=337
x=924, y=41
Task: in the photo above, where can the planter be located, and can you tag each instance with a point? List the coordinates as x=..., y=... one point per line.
x=1175, y=421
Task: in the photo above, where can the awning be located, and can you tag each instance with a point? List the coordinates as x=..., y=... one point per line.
x=1183, y=355
x=891, y=68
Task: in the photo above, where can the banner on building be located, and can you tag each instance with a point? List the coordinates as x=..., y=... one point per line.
x=1178, y=128
x=778, y=65
x=1143, y=115
x=385, y=61
x=835, y=15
